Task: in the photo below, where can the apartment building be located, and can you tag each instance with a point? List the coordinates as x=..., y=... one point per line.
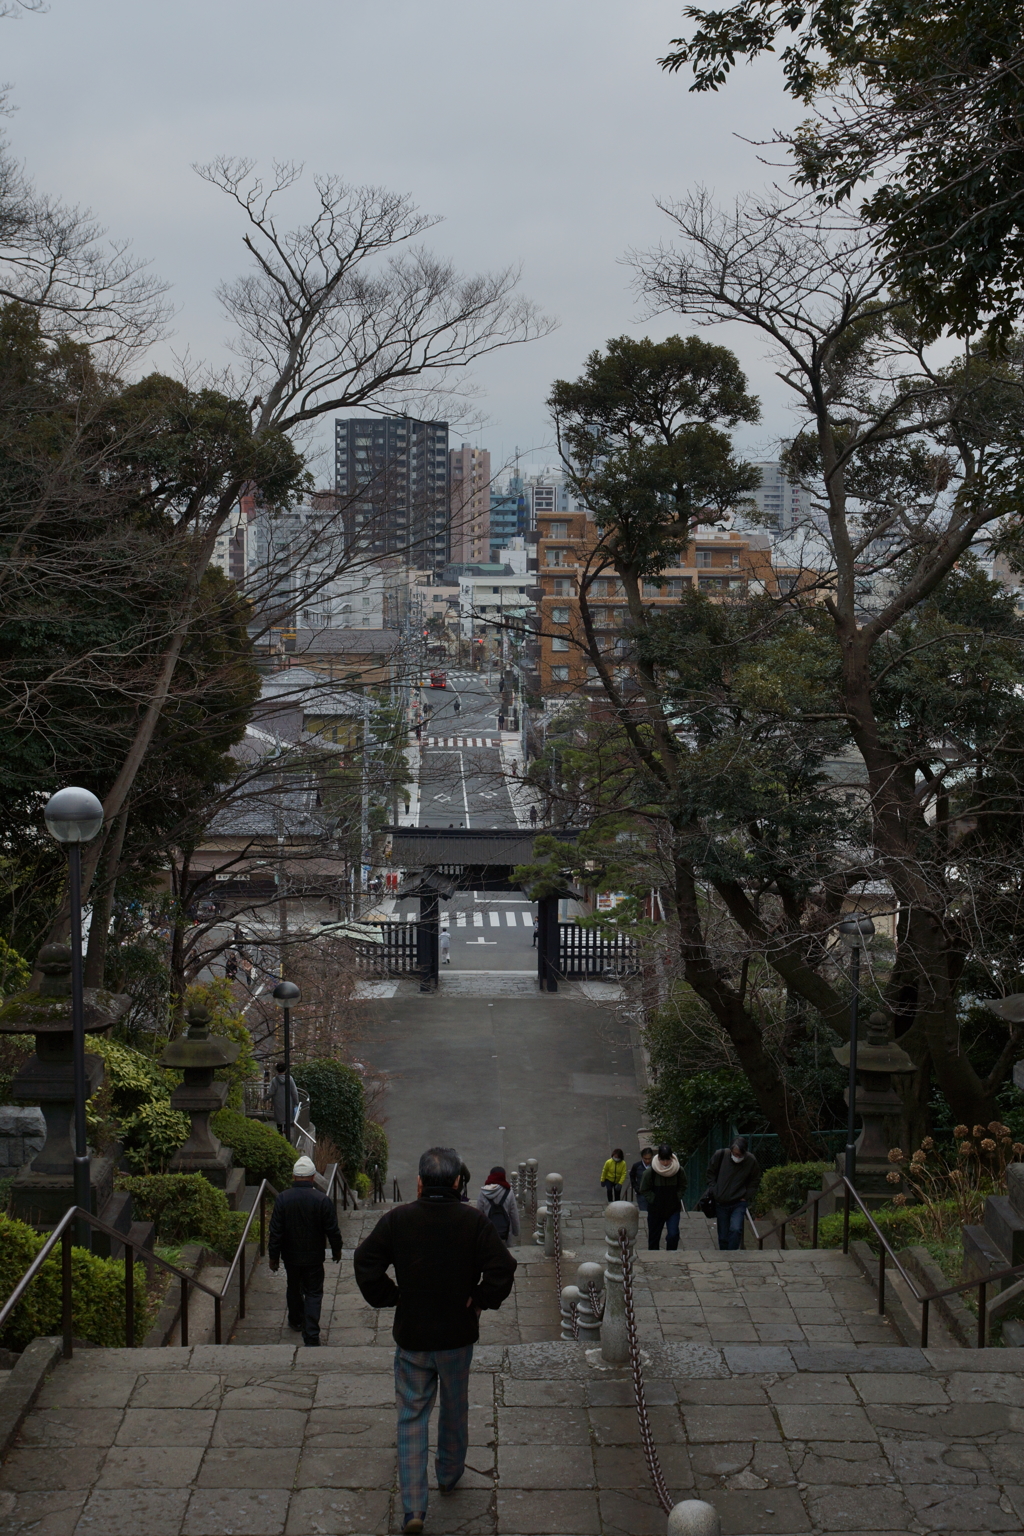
x=391, y=475
x=469, y=481
x=724, y=564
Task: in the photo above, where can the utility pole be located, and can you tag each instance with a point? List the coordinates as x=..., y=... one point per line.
x=364, y=814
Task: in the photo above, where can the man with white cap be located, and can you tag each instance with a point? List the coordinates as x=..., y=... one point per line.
x=303, y=1223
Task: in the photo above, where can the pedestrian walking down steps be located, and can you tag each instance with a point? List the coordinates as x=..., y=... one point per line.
x=449, y=1265
x=304, y=1221
x=445, y=943
x=276, y=1094
x=613, y=1175
x=497, y=1202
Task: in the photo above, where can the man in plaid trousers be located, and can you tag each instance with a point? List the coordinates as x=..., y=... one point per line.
x=449, y=1264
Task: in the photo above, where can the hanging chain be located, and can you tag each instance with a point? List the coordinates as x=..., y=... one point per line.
x=636, y=1365
x=555, y=1211
x=597, y=1300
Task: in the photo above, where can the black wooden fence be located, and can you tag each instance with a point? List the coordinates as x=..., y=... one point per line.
x=397, y=956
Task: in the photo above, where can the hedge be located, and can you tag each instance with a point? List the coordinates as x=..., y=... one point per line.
x=336, y=1108
x=264, y=1152
x=185, y=1207
x=788, y=1186
x=152, y=1135
x=376, y=1148
x=97, y=1292
x=898, y=1224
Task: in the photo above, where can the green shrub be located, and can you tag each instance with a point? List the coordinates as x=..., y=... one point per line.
x=336, y=1108
x=97, y=1291
x=152, y=1135
x=185, y=1207
x=375, y=1144
x=363, y=1186
x=787, y=1187
x=130, y=1077
x=262, y=1151
x=899, y=1225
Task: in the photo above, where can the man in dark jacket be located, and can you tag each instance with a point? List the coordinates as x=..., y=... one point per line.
x=303, y=1223
x=449, y=1265
x=733, y=1177
x=662, y=1187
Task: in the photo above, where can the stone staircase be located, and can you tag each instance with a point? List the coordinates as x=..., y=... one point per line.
x=774, y=1391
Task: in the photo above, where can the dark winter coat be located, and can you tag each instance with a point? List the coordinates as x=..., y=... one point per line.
x=731, y=1181
x=304, y=1221
x=663, y=1191
x=448, y=1260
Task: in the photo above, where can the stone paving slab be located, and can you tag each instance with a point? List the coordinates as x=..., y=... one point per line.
x=305, y=1446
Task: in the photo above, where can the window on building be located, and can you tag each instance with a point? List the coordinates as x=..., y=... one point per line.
x=735, y=557
x=559, y=615
x=704, y=557
x=555, y=557
x=558, y=530
x=559, y=674
x=562, y=586
x=558, y=644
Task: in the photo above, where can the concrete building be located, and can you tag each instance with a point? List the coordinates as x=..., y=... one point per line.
x=510, y=515
x=722, y=563
x=781, y=504
x=391, y=476
x=469, y=489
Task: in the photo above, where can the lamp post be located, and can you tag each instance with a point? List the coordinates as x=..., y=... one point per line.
x=73, y=817
x=286, y=993
x=856, y=933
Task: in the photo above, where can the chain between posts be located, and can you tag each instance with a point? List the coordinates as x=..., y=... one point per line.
x=555, y=1212
x=636, y=1366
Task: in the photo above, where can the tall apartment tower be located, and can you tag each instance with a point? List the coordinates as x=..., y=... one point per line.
x=469, y=480
x=392, y=474
x=778, y=500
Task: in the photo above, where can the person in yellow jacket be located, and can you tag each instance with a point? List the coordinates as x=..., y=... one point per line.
x=613, y=1174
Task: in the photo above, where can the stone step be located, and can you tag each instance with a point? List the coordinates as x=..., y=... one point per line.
x=274, y=1439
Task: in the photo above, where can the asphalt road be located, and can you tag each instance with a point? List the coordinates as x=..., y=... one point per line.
x=507, y=1078
x=462, y=785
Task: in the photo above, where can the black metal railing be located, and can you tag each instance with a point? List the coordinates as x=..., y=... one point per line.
x=396, y=1193
x=923, y=1299
x=62, y=1234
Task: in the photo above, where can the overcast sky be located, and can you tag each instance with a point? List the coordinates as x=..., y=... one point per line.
x=542, y=132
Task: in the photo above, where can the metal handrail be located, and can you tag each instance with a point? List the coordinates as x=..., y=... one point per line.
x=979, y=1283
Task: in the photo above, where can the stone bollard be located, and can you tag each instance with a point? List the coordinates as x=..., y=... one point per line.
x=521, y=1187
x=531, y=1184
x=542, y=1216
x=589, y=1278
x=554, y=1182
x=614, y=1343
x=694, y=1518
x=570, y=1301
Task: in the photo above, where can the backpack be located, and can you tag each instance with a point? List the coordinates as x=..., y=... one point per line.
x=498, y=1216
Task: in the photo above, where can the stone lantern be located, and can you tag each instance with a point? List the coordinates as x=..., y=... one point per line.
x=42, y=1191
x=198, y=1054
x=879, y=1060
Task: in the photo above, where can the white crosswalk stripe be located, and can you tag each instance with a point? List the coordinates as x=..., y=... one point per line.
x=495, y=918
x=510, y=919
x=461, y=741
x=528, y=923
x=460, y=922
x=478, y=921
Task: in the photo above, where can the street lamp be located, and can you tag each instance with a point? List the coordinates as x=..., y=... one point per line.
x=285, y=994
x=856, y=933
x=73, y=817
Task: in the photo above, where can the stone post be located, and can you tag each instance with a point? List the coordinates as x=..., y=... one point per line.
x=554, y=1182
x=570, y=1301
x=694, y=1518
x=614, y=1344
x=521, y=1187
x=542, y=1217
x=589, y=1277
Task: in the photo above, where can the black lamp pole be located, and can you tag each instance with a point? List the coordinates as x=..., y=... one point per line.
x=74, y=816
x=286, y=993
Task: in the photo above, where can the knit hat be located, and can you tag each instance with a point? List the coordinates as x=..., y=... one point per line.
x=304, y=1168
x=497, y=1176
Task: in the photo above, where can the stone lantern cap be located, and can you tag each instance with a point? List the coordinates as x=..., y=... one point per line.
x=197, y=1049
x=878, y=1053
x=1010, y=1009
x=48, y=1010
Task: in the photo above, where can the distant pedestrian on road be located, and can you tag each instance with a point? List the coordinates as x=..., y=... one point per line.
x=533, y=815
x=498, y=1204
x=449, y=1264
x=536, y=930
x=613, y=1175
x=458, y=706
x=733, y=1177
x=445, y=943
x=304, y=1221
x=636, y=1174
x=276, y=1095
x=662, y=1188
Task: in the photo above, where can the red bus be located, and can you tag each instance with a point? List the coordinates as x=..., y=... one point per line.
x=438, y=679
